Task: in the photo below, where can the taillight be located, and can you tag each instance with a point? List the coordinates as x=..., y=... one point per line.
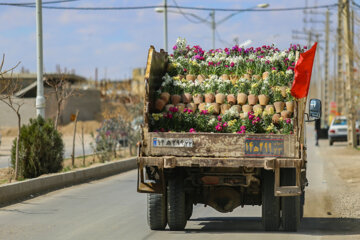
x=357, y=130
x=332, y=131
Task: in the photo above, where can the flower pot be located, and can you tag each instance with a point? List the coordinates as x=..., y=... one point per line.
x=198, y=98
x=231, y=99
x=256, y=77
x=241, y=98
x=243, y=115
x=285, y=114
x=192, y=106
x=224, y=108
x=283, y=91
x=236, y=108
x=234, y=79
x=201, y=78
x=168, y=106
x=180, y=107
x=290, y=106
x=190, y=77
x=265, y=75
x=202, y=106
x=209, y=98
x=252, y=99
x=247, y=76
x=220, y=98
x=181, y=77
x=165, y=96
x=247, y=108
x=215, y=108
x=175, y=99
x=186, y=98
x=258, y=108
x=279, y=106
x=276, y=118
x=159, y=104
x=225, y=77
x=269, y=109
x=263, y=99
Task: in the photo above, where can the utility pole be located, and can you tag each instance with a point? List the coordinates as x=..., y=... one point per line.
x=326, y=77
x=213, y=27
x=351, y=133
x=40, y=100
x=339, y=80
x=165, y=27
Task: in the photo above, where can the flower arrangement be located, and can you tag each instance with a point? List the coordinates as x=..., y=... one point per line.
x=227, y=90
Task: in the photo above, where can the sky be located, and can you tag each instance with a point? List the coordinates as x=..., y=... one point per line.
x=115, y=42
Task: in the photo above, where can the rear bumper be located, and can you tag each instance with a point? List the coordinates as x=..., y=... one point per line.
x=267, y=163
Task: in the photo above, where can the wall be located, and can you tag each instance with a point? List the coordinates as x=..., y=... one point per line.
x=8, y=117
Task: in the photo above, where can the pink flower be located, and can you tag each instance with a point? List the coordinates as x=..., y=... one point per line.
x=273, y=68
x=219, y=118
x=192, y=130
x=185, y=70
x=174, y=47
x=288, y=120
x=232, y=64
x=185, y=110
x=218, y=128
x=243, y=128
x=225, y=124
x=173, y=109
x=251, y=117
x=305, y=47
x=189, y=111
x=226, y=66
x=204, y=112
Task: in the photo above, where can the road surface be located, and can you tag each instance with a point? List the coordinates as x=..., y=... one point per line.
x=112, y=209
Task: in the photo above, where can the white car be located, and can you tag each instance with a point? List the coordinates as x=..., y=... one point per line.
x=338, y=130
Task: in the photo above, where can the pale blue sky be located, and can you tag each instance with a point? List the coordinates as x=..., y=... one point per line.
x=117, y=41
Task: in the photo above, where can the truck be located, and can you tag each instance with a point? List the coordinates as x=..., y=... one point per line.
x=178, y=170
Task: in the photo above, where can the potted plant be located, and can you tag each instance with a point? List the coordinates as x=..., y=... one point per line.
x=159, y=104
x=210, y=89
x=242, y=92
x=289, y=101
x=264, y=94
x=223, y=89
x=193, y=70
x=254, y=92
x=191, y=106
x=278, y=99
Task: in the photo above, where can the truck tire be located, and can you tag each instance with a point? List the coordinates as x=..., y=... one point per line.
x=291, y=209
x=156, y=211
x=270, y=203
x=176, y=205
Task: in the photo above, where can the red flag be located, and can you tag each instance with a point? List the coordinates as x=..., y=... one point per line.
x=303, y=69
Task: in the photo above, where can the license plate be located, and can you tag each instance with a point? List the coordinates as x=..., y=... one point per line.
x=173, y=142
x=262, y=147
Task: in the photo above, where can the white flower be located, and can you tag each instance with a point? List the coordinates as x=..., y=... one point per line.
x=289, y=72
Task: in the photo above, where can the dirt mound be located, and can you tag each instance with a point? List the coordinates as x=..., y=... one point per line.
x=89, y=127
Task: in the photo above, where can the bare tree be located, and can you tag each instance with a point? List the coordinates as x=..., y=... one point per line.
x=8, y=88
x=62, y=91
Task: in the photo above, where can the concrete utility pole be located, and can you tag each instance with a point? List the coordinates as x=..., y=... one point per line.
x=40, y=100
x=213, y=28
x=351, y=133
x=339, y=80
x=326, y=77
x=165, y=27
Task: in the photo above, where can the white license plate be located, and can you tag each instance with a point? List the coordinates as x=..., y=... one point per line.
x=173, y=142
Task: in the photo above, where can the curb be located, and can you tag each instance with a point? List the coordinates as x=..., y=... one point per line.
x=13, y=192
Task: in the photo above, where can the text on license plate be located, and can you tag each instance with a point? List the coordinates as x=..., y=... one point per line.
x=259, y=147
x=173, y=142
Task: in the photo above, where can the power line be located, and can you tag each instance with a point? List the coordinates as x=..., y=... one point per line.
x=32, y=3
x=177, y=7
x=188, y=18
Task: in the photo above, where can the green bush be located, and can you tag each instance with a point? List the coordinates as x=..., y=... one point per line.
x=41, y=149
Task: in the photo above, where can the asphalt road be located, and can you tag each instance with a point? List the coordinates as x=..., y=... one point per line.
x=112, y=209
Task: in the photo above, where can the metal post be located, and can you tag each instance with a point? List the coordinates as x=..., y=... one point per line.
x=326, y=77
x=213, y=28
x=40, y=100
x=165, y=27
x=351, y=133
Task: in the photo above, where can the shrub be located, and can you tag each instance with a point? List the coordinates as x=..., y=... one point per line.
x=41, y=149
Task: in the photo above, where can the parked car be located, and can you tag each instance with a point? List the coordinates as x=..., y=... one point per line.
x=338, y=130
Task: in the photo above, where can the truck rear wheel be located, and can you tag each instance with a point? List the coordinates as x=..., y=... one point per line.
x=270, y=203
x=291, y=209
x=176, y=205
x=189, y=208
x=156, y=211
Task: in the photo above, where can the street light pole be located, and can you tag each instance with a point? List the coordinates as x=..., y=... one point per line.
x=40, y=100
x=165, y=27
